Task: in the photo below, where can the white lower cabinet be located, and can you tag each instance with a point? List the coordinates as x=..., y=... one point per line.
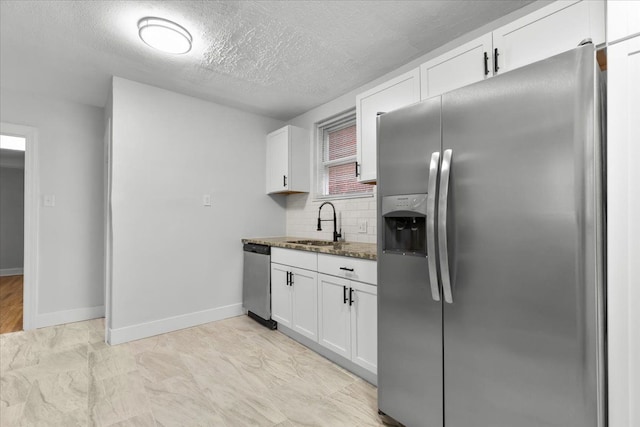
x=280, y=295
x=364, y=326
x=294, y=299
x=334, y=314
x=304, y=296
x=335, y=310
x=348, y=319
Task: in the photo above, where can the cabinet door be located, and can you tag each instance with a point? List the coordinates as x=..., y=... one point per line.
x=462, y=66
x=278, y=160
x=623, y=231
x=334, y=317
x=364, y=326
x=623, y=19
x=280, y=295
x=398, y=92
x=554, y=29
x=305, y=302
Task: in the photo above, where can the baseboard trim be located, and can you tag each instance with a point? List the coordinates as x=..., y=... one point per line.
x=170, y=324
x=69, y=316
x=335, y=358
x=11, y=271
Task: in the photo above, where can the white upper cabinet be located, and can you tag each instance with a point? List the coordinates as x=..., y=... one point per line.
x=288, y=161
x=551, y=30
x=459, y=67
x=398, y=92
x=548, y=31
x=623, y=19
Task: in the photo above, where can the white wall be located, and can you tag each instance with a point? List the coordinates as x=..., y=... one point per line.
x=70, y=245
x=176, y=263
x=302, y=209
x=11, y=217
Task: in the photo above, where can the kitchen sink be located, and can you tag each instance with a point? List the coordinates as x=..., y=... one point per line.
x=313, y=242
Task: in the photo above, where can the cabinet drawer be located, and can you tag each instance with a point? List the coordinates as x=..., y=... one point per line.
x=294, y=258
x=362, y=270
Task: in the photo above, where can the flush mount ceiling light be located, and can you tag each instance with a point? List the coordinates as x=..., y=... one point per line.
x=164, y=35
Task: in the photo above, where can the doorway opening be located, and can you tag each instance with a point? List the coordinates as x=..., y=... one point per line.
x=12, y=160
x=18, y=227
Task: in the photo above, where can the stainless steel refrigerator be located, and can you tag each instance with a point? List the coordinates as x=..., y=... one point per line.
x=491, y=252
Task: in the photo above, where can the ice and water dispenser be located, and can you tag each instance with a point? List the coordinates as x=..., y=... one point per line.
x=404, y=221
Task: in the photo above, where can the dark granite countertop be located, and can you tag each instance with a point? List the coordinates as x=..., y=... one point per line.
x=348, y=249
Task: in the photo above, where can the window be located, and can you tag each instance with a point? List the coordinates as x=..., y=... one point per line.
x=337, y=159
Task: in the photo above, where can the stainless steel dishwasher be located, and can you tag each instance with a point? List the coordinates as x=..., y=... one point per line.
x=256, y=287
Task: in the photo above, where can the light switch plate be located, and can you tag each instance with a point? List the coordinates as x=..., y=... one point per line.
x=362, y=226
x=206, y=200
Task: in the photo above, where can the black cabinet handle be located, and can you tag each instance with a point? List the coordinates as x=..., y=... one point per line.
x=346, y=269
x=357, y=173
x=350, y=296
x=291, y=279
x=284, y=180
x=495, y=60
x=486, y=63
x=288, y=278
x=344, y=295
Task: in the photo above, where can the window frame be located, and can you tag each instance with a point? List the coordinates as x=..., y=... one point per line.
x=332, y=124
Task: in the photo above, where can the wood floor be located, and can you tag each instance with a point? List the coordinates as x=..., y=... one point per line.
x=11, y=304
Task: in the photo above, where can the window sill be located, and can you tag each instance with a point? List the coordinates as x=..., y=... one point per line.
x=318, y=198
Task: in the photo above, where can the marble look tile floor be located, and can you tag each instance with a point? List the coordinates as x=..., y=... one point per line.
x=232, y=372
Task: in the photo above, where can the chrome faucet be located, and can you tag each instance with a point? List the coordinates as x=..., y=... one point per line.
x=336, y=235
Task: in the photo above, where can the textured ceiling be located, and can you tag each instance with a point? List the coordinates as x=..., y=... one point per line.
x=275, y=58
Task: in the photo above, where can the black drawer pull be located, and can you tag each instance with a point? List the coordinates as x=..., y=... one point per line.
x=350, y=296
x=346, y=269
x=284, y=180
x=344, y=295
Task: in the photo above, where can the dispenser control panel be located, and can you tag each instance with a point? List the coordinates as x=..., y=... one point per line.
x=416, y=203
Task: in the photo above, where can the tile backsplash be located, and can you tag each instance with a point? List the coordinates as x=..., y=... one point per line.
x=302, y=218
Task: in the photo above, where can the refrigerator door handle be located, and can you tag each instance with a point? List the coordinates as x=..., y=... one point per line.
x=434, y=166
x=445, y=275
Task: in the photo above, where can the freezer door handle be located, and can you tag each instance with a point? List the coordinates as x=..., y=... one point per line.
x=431, y=224
x=445, y=276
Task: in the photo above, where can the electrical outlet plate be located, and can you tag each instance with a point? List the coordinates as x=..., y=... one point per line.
x=49, y=200
x=206, y=200
x=362, y=226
